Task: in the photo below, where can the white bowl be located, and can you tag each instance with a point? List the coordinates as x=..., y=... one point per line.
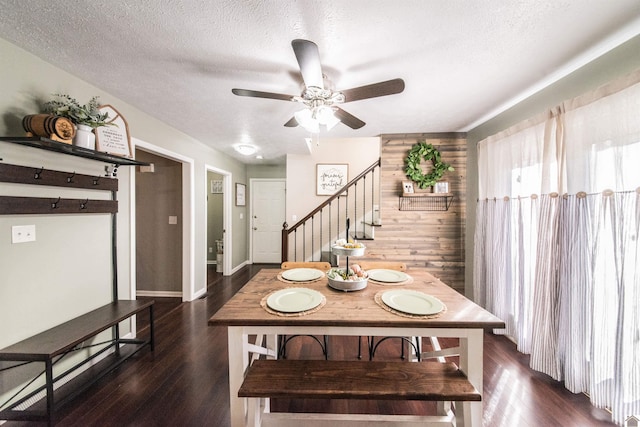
x=347, y=285
x=339, y=250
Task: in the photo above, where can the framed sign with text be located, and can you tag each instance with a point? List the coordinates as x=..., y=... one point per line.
x=114, y=139
x=331, y=178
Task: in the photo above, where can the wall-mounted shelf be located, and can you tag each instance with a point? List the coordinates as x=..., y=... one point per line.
x=425, y=201
x=59, y=147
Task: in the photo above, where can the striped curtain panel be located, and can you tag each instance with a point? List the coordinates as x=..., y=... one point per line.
x=556, y=251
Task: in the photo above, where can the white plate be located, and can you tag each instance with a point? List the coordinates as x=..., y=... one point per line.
x=302, y=274
x=293, y=300
x=388, y=276
x=412, y=302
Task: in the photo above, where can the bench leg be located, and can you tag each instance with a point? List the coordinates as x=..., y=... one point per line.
x=48, y=367
x=254, y=414
x=470, y=413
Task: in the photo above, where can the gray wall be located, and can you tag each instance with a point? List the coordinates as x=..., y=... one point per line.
x=67, y=272
x=608, y=67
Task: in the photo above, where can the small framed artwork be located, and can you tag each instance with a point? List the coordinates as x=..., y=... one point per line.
x=407, y=187
x=241, y=194
x=216, y=186
x=331, y=178
x=441, y=187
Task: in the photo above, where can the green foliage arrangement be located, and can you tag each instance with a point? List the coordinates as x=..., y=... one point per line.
x=88, y=114
x=423, y=151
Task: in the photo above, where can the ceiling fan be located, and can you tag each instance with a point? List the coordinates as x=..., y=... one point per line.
x=322, y=102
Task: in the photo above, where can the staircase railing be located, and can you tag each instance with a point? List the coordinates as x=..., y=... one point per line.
x=310, y=238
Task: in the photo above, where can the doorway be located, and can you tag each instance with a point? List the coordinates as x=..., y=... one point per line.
x=218, y=220
x=268, y=213
x=215, y=217
x=158, y=230
x=185, y=221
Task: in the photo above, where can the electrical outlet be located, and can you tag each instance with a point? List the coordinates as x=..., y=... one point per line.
x=210, y=250
x=173, y=219
x=23, y=233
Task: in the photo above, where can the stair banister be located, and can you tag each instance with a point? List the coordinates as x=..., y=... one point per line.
x=287, y=231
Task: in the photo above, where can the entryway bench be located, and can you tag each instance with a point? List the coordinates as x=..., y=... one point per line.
x=373, y=380
x=52, y=345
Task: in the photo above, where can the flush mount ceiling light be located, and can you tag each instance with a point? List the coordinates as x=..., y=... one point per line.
x=246, y=149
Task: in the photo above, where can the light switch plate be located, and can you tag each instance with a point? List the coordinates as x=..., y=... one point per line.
x=23, y=233
x=173, y=219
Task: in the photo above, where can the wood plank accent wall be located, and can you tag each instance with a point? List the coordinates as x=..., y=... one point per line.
x=423, y=239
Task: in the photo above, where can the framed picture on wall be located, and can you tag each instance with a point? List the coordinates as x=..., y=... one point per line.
x=240, y=194
x=331, y=178
x=407, y=187
x=441, y=187
x=216, y=186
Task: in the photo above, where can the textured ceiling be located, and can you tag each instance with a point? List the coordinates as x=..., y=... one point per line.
x=462, y=61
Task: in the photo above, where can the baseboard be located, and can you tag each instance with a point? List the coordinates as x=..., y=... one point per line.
x=159, y=294
x=238, y=268
x=199, y=294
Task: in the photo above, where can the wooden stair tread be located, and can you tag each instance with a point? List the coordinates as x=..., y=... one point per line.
x=375, y=380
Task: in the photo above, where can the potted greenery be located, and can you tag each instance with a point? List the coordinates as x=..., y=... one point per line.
x=86, y=117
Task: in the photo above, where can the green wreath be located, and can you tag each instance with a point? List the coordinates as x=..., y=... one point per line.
x=425, y=151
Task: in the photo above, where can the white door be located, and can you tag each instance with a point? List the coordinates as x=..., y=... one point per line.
x=268, y=215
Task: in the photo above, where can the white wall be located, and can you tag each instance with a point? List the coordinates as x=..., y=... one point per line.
x=358, y=153
x=41, y=283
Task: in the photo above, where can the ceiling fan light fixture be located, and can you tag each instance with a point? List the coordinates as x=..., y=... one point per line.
x=306, y=120
x=312, y=118
x=325, y=117
x=245, y=149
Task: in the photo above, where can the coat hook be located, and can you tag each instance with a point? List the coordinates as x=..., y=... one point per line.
x=95, y=180
x=38, y=173
x=54, y=205
x=70, y=177
x=83, y=205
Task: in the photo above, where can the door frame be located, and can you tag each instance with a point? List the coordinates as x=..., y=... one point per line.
x=188, y=218
x=227, y=204
x=251, y=213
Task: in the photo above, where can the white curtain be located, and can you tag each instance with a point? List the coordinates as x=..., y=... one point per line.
x=556, y=244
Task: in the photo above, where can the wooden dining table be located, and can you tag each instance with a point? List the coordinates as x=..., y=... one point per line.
x=349, y=314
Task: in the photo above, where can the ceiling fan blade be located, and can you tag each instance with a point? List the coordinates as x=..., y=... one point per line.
x=348, y=119
x=308, y=58
x=390, y=87
x=258, y=94
x=291, y=123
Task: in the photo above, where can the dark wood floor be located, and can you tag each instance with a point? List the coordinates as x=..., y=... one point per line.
x=185, y=381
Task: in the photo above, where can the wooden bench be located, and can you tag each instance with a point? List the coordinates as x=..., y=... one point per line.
x=51, y=345
x=373, y=380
